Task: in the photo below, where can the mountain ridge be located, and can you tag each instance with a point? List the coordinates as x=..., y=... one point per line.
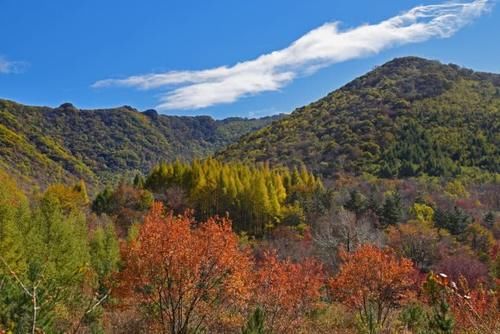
x=66, y=143
x=407, y=117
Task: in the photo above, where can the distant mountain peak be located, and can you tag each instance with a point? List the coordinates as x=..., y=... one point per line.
x=410, y=116
x=151, y=113
x=67, y=107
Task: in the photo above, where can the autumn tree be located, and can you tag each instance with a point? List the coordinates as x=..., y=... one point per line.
x=373, y=282
x=187, y=276
x=479, y=238
x=342, y=229
x=464, y=264
x=417, y=241
x=69, y=198
x=256, y=197
x=287, y=292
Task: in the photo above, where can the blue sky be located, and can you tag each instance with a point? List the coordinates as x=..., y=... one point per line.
x=179, y=56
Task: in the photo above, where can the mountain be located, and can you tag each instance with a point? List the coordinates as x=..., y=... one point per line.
x=408, y=117
x=65, y=143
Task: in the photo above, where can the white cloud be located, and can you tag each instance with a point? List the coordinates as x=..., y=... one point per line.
x=8, y=66
x=316, y=49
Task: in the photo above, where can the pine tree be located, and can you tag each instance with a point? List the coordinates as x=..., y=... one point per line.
x=392, y=211
x=14, y=217
x=356, y=203
x=440, y=320
x=256, y=323
x=489, y=219
x=139, y=181
x=455, y=221
x=105, y=253
x=102, y=202
x=13, y=214
x=57, y=244
x=81, y=188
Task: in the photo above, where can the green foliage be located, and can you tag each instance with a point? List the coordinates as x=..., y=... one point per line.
x=124, y=197
x=256, y=323
x=392, y=210
x=59, y=256
x=409, y=117
x=51, y=258
x=14, y=212
x=138, y=181
x=65, y=144
x=455, y=221
x=479, y=238
x=440, y=320
x=413, y=318
x=105, y=254
x=102, y=202
x=356, y=203
x=489, y=219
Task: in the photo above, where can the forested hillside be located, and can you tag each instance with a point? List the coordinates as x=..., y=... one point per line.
x=406, y=118
x=260, y=243
x=209, y=247
x=66, y=143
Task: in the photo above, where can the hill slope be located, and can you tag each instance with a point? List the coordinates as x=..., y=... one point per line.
x=65, y=143
x=408, y=117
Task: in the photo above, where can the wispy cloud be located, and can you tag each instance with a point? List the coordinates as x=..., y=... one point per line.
x=318, y=48
x=9, y=66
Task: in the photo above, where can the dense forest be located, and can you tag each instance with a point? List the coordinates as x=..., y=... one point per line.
x=374, y=210
x=234, y=248
x=408, y=117
x=43, y=145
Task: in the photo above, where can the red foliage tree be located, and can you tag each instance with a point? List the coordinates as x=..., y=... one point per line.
x=287, y=291
x=189, y=276
x=374, y=281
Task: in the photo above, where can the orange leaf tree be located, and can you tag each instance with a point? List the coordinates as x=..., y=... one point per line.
x=187, y=276
x=374, y=282
x=287, y=291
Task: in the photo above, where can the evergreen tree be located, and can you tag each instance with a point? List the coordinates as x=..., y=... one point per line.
x=58, y=249
x=256, y=323
x=489, y=220
x=455, y=221
x=139, y=181
x=104, y=253
x=102, y=202
x=356, y=203
x=14, y=216
x=81, y=188
x=440, y=320
x=392, y=211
